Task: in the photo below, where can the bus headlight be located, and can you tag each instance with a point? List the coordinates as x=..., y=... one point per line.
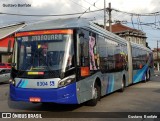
x=66, y=81
x=11, y=81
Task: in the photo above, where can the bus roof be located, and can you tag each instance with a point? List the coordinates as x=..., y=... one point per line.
x=57, y=24
x=135, y=45
x=69, y=23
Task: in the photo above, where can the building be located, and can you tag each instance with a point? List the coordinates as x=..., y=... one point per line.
x=130, y=34
x=6, y=47
x=155, y=57
x=7, y=40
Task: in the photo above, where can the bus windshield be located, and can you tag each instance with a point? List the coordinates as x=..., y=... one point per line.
x=44, y=52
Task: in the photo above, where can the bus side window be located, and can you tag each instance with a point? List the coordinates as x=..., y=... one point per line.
x=71, y=57
x=83, y=47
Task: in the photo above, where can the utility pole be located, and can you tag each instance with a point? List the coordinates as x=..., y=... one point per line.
x=105, y=14
x=110, y=19
x=157, y=57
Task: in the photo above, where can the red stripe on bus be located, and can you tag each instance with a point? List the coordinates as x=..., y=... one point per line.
x=66, y=31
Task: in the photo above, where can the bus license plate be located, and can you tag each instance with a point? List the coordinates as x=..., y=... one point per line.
x=35, y=99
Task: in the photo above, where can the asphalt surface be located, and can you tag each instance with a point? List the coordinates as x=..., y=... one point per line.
x=137, y=100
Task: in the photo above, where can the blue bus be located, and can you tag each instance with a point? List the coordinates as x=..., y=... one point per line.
x=72, y=61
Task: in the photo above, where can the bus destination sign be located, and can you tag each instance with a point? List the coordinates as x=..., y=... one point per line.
x=42, y=37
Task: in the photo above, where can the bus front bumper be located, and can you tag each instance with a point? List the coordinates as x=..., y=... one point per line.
x=63, y=95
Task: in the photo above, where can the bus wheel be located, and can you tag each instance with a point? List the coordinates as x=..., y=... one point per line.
x=96, y=96
x=122, y=86
x=148, y=76
x=145, y=78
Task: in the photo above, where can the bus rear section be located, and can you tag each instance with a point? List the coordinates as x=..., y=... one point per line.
x=142, y=59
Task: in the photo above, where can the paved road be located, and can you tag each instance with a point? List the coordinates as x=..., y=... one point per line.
x=141, y=97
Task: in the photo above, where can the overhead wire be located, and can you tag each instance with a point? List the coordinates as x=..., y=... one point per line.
x=36, y=15
x=94, y=4
x=154, y=25
x=88, y=9
x=84, y=7
x=137, y=14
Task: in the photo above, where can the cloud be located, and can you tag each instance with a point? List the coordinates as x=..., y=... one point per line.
x=72, y=6
x=48, y=7
x=45, y=7
x=132, y=5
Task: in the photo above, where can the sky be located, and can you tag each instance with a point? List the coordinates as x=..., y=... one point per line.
x=52, y=7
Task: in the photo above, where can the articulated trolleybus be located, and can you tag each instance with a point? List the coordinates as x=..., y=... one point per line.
x=71, y=61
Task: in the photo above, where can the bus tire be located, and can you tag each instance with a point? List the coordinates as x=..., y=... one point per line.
x=148, y=76
x=96, y=96
x=145, y=78
x=122, y=85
